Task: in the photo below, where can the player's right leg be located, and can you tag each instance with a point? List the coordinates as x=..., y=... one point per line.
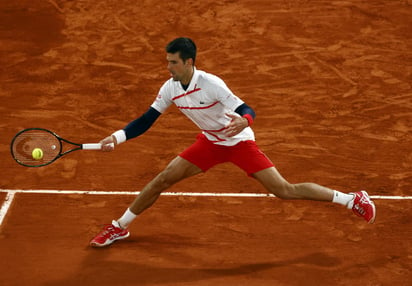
x=177, y=170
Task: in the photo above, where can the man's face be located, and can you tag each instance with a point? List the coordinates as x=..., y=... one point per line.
x=179, y=70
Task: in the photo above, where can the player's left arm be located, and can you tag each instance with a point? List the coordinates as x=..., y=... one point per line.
x=237, y=124
x=226, y=97
x=247, y=112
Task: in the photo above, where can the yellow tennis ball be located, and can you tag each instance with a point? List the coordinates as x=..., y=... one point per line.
x=37, y=154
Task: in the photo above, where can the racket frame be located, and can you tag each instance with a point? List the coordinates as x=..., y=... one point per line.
x=90, y=146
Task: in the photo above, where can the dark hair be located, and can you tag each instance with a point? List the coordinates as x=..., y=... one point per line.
x=185, y=46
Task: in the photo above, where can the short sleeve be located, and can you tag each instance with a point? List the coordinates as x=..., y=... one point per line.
x=226, y=96
x=163, y=99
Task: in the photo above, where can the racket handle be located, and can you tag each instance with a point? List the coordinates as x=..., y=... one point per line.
x=93, y=146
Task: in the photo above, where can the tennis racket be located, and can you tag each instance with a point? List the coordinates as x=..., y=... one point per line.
x=51, y=146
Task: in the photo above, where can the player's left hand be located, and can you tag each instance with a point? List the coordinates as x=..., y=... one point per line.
x=236, y=125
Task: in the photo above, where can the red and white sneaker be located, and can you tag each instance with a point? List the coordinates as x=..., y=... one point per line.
x=363, y=206
x=109, y=234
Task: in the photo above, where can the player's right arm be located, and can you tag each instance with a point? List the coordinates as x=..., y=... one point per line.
x=140, y=125
x=135, y=128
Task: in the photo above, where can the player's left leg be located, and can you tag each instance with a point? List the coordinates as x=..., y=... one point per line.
x=273, y=181
x=359, y=202
x=250, y=158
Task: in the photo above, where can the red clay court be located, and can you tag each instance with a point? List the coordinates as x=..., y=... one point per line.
x=330, y=82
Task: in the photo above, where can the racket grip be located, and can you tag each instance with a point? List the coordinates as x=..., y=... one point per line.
x=93, y=146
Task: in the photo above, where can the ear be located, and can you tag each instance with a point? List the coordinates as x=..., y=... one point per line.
x=189, y=62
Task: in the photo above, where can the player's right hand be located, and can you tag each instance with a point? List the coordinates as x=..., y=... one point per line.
x=108, y=143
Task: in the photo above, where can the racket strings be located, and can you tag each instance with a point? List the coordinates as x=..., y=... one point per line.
x=26, y=142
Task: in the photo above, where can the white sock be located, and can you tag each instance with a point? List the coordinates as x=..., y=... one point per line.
x=126, y=218
x=343, y=199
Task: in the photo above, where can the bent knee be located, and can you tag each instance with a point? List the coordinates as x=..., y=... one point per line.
x=163, y=180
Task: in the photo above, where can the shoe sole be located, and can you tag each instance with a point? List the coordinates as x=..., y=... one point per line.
x=372, y=220
x=108, y=242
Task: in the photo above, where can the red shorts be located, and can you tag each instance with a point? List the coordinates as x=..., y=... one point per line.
x=246, y=155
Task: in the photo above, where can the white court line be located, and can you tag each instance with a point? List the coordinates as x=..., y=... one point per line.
x=190, y=194
x=11, y=193
x=187, y=194
x=5, y=207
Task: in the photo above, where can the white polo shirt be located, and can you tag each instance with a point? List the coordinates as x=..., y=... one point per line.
x=205, y=102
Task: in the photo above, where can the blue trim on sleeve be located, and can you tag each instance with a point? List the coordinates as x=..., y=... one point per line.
x=142, y=124
x=245, y=109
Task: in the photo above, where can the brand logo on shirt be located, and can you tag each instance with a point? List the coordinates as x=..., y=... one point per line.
x=201, y=102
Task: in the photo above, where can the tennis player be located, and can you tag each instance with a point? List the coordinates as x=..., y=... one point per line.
x=225, y=121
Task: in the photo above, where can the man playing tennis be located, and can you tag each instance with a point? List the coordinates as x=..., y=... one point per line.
x=226, y=136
